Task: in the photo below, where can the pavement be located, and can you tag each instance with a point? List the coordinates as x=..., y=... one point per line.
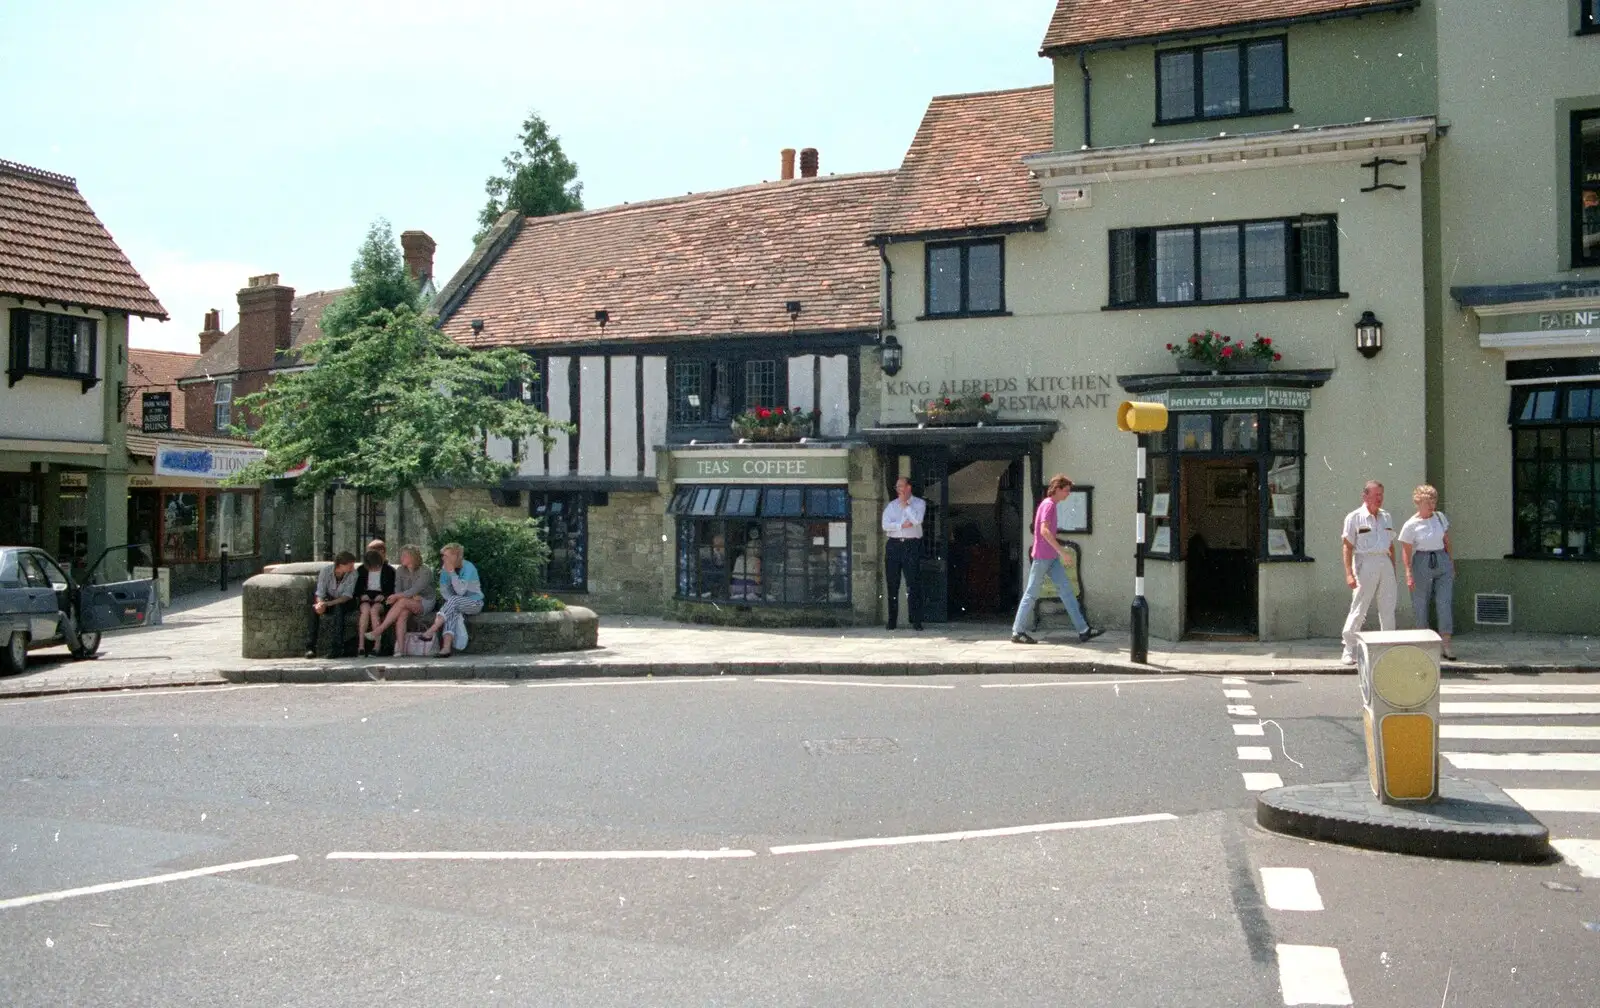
x=200, y=643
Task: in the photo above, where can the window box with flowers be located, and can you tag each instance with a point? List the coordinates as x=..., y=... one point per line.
x=1210, y=352
x=775, y=423
x=972, y=409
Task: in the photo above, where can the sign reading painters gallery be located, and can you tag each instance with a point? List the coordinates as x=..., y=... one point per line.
x=1231, y=398
x=796, y=466
x=203, y=463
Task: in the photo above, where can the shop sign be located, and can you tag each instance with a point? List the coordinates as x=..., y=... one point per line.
x=1570, y=319
x=760, y=467
x=74, y=481
x=156, y=412
x=203, y=463
x=1011, y=395
x=1231, y=399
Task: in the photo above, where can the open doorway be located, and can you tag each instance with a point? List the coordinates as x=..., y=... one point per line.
x=1222, y=541
x=973, y=536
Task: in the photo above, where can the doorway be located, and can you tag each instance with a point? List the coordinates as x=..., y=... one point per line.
x=972, y=536
x=1222, y=544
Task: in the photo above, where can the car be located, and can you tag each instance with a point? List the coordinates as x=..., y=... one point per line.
x=41, y=606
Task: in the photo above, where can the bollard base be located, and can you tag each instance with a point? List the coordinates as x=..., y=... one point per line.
x=1472, y=820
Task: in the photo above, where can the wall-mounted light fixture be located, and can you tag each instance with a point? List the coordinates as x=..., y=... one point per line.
x=602, y=316
x=477, y=326
x=793, y=308
x=1369, y=335
x=892, y=355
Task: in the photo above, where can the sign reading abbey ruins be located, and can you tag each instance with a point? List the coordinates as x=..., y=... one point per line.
x=1027, y=394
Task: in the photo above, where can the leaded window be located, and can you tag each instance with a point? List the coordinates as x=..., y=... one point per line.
x=1225, y=263
x=769, y=545
x=1222, y=81
x=1555, y=433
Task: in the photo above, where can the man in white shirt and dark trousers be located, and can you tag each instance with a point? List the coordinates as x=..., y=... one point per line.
x=1368, y=565
x=902, y=551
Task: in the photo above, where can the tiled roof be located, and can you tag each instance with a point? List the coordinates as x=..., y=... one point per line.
x=709, y=264
x=54, y=249
x=305, y=325
x=964, y=167
x=155, y=371
x=1086, y=22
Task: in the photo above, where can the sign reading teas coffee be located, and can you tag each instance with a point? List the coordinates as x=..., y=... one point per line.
x=816, y=466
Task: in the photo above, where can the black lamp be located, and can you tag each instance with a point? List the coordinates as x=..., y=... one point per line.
x=793, y=308
x=1369, y=335
x=602, y=316
x=892, y=354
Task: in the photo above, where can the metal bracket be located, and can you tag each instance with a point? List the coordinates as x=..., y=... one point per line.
x=1375, y=164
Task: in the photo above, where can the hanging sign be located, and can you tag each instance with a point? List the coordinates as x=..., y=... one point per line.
x=156, y=412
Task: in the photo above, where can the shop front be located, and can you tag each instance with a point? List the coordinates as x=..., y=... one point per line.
x=179, y=510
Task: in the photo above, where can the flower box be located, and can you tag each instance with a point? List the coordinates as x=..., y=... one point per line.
x=775, y=423
x=1210, y=351
x=976, y=409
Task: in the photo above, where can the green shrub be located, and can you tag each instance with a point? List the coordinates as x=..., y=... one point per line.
x=510, y=555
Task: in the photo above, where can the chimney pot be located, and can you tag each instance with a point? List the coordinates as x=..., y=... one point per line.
x=786, y=157
x=264, y=280
x=808, y=162
x=418, y=248
x=212, y=332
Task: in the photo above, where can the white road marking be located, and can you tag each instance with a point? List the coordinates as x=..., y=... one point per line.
x=847, y=682
x=1261, y=781
x=615, y=855
x=118, y=694
x=1518, y=689
x=1236, y=694
x=1080, y=682
x=1312, y=975
x=1521, y=708
x=1233, y=681
x=104, y=887
x=1560, y=733
x=1583, y=855
x=1524, y=761
x=1242, y=710
x=634, y=681
x=1002, y=831
x=444, y=685
x=1556, y=799
x=1290, y=889
x=1249, y=729
x=1255, y=752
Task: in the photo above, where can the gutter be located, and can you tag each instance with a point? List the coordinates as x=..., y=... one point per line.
x=888, y=286
x=1083, y=66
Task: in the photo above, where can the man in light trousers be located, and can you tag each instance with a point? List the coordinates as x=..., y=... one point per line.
x=1049, y=560
x=1368, y=565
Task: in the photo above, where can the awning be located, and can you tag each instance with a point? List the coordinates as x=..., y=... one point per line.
x=1020, y=435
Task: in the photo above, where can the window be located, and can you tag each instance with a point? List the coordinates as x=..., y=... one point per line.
x=1588, y=16
x=712, y=392
x=53, y=345
x=372, y=521
x=223, y=403
x=781, y=545
x=1222, y=81
x=1586, y=187
x=1266, y=260
x=966, y=278
x=226, y=518
x=1555, y=433
x=565, y=518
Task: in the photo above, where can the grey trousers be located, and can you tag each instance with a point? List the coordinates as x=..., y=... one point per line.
x=1435, y=581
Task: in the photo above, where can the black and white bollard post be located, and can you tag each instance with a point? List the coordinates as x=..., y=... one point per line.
x=288, y=554
x=222, y=568
x=1143, y=419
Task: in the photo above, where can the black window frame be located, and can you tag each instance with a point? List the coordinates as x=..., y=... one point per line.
x=1580, y=257
x=18, y=361
x=1576, y=443
x=569, y=543
x=787, y=519
x=738, y=388
x=1142, y=242
x=1588, y=17
x=1197, y=52
x=965, y=311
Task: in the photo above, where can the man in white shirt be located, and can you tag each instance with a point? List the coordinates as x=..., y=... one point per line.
x=1368, y=565
x=902, y=551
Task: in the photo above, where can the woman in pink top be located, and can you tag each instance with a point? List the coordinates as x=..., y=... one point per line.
x=1050, y=560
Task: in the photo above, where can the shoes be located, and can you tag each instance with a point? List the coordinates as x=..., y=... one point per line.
x=1347, y=659
x=372, y=637
x=1090, y=634
x=1022, y=638
x=1447, y=657
x=916, y=626
x=310, y=653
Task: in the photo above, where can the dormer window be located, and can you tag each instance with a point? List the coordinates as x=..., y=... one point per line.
x=1222, y=81
x=53, y=345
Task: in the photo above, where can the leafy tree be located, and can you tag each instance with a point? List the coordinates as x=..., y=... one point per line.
x=379, y=279
x=539, y=179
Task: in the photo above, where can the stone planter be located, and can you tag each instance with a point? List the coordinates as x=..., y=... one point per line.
x=1249, y=364
x=1188, y=365
x=571, y=629
x=780, y=433
x=955, y=417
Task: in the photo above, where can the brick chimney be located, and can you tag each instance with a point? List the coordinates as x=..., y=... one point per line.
x=265, y=308
x=212, y=332
x=808, y=162
x=786, y=156
x=418, y=248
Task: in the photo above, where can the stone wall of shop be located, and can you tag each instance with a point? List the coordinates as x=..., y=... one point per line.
x=627, y=553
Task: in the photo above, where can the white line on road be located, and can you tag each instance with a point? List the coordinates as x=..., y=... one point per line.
x=1236, y=694
x=1290, y=889
x=635, y=681
x=1312, y=975
x=1002, y=831
x=1521, y=708
x=1581, y=854
x=1080, y=682
x=1255, y=752
x=615, y=855
x=1249, y=729
x=1524, y=761
x=133, y=692
x=445, y=685
x=1556, y=799
x=1233, y=681
x=1262, y=781
x=1518, y=689
x=847, y=682
x=1558, y=733
x=104, y=887
x=1242, y=710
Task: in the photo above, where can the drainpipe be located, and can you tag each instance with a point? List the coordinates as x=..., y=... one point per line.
x=1083, y=67
x=888, y=286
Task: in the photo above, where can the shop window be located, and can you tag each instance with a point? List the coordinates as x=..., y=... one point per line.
x=712, y=391
x=195, y=525
x=565, y=518
x=53, y=345
x=1586, y=188
x=222, y=402
x=1555, y=433
x=775, y=545
x=966, y=278
x=1263, y=260
x=1222, y=81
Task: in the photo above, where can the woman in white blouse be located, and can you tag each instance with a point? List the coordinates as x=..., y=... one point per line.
x=1430, y=570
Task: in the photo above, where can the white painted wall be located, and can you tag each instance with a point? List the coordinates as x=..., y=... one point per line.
x=592, y=416
x=54, y=409
x=499, y=449
x=802, y=381
x=556, y=395
x=655, y=409
x=624, y=417
x=834, y=400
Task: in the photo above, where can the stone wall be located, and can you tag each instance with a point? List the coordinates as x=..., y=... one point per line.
x=572, y=629
x=627, y=553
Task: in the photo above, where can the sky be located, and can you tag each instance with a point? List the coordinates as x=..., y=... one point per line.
x=218, y=141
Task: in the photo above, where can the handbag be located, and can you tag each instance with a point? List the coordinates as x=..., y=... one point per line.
x=417, y=647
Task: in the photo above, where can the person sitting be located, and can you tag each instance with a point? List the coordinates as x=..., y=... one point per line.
x=336, y=587
x=374, y=585
x=414, y=595
x=460, y=594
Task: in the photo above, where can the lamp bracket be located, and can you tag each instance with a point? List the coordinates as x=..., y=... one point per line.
x=1376, y=164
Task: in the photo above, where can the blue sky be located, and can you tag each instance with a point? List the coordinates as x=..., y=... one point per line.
x=218, y=141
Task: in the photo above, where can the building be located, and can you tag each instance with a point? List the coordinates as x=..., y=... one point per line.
x=66, y=291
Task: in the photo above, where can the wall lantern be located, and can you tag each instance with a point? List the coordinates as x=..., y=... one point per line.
x=1369, y=335
x=892, y=353
x=602, y=316
x=793, y=308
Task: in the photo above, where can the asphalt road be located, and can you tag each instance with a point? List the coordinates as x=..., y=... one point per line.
x=681, y=842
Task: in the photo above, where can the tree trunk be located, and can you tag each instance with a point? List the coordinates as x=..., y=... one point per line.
x=425, y=518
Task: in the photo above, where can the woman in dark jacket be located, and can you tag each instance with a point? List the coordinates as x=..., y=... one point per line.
x=374, y=584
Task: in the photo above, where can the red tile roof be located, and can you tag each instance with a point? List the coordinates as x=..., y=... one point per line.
x=964, y=170
x=156, y=371
x=54, y=249
x=709, y=264
x=1086, y=22
x=305, y=325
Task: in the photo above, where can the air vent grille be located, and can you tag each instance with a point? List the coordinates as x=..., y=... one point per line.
x=1491, y=609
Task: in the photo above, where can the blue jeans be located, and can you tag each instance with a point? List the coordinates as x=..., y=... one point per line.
x=1030, y=595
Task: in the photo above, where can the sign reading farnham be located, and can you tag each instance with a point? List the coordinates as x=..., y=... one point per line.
x=1012, y=395
x=798, y=466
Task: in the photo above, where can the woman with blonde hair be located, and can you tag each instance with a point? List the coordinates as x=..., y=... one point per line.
x=461, y=595
x=1430, y=569
x=413, y=595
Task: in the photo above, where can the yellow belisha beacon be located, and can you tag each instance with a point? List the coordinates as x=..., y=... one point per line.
x=1400, y=713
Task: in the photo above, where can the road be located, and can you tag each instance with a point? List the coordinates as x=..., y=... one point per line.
x=743, y=841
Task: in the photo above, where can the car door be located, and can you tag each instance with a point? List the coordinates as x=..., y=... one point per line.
x=115, y=605
x=44, y=609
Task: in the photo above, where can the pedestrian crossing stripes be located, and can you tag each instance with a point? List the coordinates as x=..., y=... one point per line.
x=1556, y=799
x=1581, y=854
x=1553, y=733
x=1290, y=889
x=1312, y=975
x=1519, y=689
x=1517, y=708
x=1575, y=761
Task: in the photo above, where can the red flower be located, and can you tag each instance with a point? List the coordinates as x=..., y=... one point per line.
x=1227, y=351
x=1195, y=338
x=1227, y=339
x=947, y=400
x=1265, y=340
x=1169, y=346
x=1277, y=356
x=987, y=398
x=764, y=413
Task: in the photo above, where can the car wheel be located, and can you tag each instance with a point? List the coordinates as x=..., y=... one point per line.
x=88, y=643
x=14, y=659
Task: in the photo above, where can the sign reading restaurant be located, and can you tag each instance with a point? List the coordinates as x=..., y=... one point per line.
x=795, y=466
x=1024, y=394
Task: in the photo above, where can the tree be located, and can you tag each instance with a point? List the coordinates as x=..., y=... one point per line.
x=379, y=279
x=539, y=180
